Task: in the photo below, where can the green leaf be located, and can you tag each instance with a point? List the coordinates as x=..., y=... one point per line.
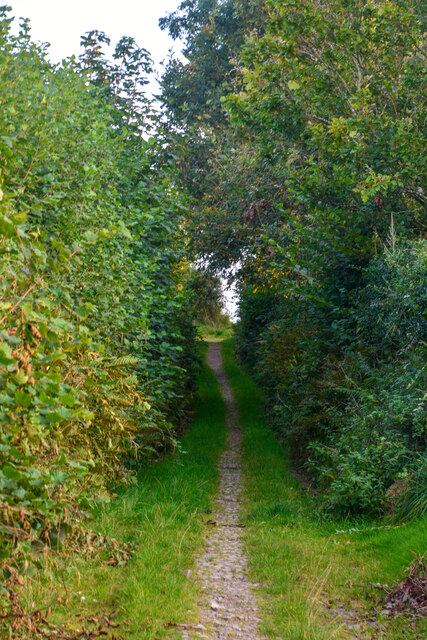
x=19, y=218
x=11, y=473
x=20, y=378
x=6, y=354
x=68, y=400
x=6, y=226
x=22, y=398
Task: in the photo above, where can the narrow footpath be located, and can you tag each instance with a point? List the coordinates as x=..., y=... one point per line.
x=227, y=604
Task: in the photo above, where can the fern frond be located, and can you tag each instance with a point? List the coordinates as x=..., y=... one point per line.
x=121, y=361
x=130, y=380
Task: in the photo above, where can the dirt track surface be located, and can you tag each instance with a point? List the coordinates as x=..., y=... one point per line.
x=227, y=604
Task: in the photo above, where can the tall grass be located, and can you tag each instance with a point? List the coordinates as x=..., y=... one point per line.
x=412, y=503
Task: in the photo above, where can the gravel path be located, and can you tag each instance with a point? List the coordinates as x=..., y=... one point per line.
x=227, y=605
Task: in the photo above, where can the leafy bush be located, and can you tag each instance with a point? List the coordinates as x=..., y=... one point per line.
x=97, y=346
x=359, y=469
x=348, y=393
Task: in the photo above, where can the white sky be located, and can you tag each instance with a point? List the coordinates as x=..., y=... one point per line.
x=62, y=23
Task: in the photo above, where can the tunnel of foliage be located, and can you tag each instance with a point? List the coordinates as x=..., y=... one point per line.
x=298, y=129
x=288, y=155
x=97, y=349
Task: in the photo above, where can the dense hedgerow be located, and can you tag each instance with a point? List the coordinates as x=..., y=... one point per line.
x=96, y=335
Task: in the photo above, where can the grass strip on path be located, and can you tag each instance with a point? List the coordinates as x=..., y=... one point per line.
x=163, y=516
x=316, y=577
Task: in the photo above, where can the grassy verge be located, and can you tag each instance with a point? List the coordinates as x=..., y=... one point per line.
x=316, y=577
x=162, y=515
x=218, y=332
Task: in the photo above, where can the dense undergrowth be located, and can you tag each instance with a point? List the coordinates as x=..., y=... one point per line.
x=318, y=580
x=96, y=336
x=352, y=404
x=132, y=578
